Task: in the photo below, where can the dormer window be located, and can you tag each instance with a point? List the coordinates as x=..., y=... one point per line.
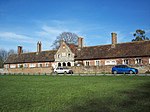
x=69, y=55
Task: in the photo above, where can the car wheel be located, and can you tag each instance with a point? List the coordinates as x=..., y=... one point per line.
x=65, y=72
x=131, y=72
x=55, y=72
x=115, y=72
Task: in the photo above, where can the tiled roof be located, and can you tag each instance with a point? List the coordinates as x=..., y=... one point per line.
x=44, y=56
x=73, y=48
x=122, y=50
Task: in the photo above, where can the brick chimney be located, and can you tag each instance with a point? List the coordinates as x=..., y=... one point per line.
x=39, y=46
x=114, y=39
x=80, y=42
x=19, y=50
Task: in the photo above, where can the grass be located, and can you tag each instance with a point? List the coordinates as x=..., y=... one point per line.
x=74, y=94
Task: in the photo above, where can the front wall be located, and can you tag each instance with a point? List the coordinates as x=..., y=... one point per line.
x=30, y=70
x=119, y=61
x=102, y=68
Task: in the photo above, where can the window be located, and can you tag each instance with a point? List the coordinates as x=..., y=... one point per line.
x=39, y=64
x=6, y=66
x=69, y=55
x=125, y=61
x=63, y=54
x=97, y=63
x=32, y=65
x=138, y=61
x=20, y=65
x=46, y=64
x=12, y=66
x=87, y=63
x=25, y=65
x=58, y=55
x=110, y=62
x=149, y=60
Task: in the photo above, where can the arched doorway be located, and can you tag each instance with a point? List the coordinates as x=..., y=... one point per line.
x=68, y=64
x=64, y=64
x=59, y=64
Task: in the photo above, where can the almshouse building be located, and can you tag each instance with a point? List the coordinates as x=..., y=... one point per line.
x=130, y=53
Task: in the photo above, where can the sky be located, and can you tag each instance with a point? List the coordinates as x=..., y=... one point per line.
x=25, y=22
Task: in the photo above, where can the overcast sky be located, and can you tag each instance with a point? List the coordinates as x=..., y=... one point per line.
x=24, y=22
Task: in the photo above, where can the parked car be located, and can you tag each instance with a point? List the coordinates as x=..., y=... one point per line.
x=124, y=69
x=63, y=70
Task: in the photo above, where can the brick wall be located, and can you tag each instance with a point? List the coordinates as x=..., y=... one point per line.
x=80, y=69
x=105, y=69
x=29, y=70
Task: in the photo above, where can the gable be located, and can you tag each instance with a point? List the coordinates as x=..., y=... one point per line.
x=64, y=53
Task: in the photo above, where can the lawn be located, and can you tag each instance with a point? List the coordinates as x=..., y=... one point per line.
x=74, y=93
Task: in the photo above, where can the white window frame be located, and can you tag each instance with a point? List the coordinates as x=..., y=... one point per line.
x=25, y=65
x=137, y=61
x=46, y=64
x=6, y=66
x=12, y=66
x=125, y=61
x=97, y=62
x=39, y=65
x=87, y=63
x=63, y=54
x=18, y=65
x=110, y=62
x=32, y=65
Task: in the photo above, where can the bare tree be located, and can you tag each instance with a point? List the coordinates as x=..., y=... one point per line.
x=11, y=51
x=4, y=54
x=68, y=37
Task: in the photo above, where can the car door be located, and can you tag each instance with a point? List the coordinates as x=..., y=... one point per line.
x=59, y=70
x=121, y=69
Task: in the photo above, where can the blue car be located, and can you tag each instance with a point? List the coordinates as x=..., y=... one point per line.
x=124, y=69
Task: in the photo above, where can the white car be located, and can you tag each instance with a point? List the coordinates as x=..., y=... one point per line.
x=64, y=70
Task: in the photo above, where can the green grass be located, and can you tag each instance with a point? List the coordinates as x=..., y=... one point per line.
x=74, y=94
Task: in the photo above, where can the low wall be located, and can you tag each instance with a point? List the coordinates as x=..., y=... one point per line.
x=105, y=69
x=81, y=69
x=29, y=70
x=92, y=69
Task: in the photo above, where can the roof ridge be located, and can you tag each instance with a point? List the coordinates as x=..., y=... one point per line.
x=36, y=52
x=119, y=43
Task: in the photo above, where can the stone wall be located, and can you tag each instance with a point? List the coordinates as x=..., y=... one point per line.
x=76, y=69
